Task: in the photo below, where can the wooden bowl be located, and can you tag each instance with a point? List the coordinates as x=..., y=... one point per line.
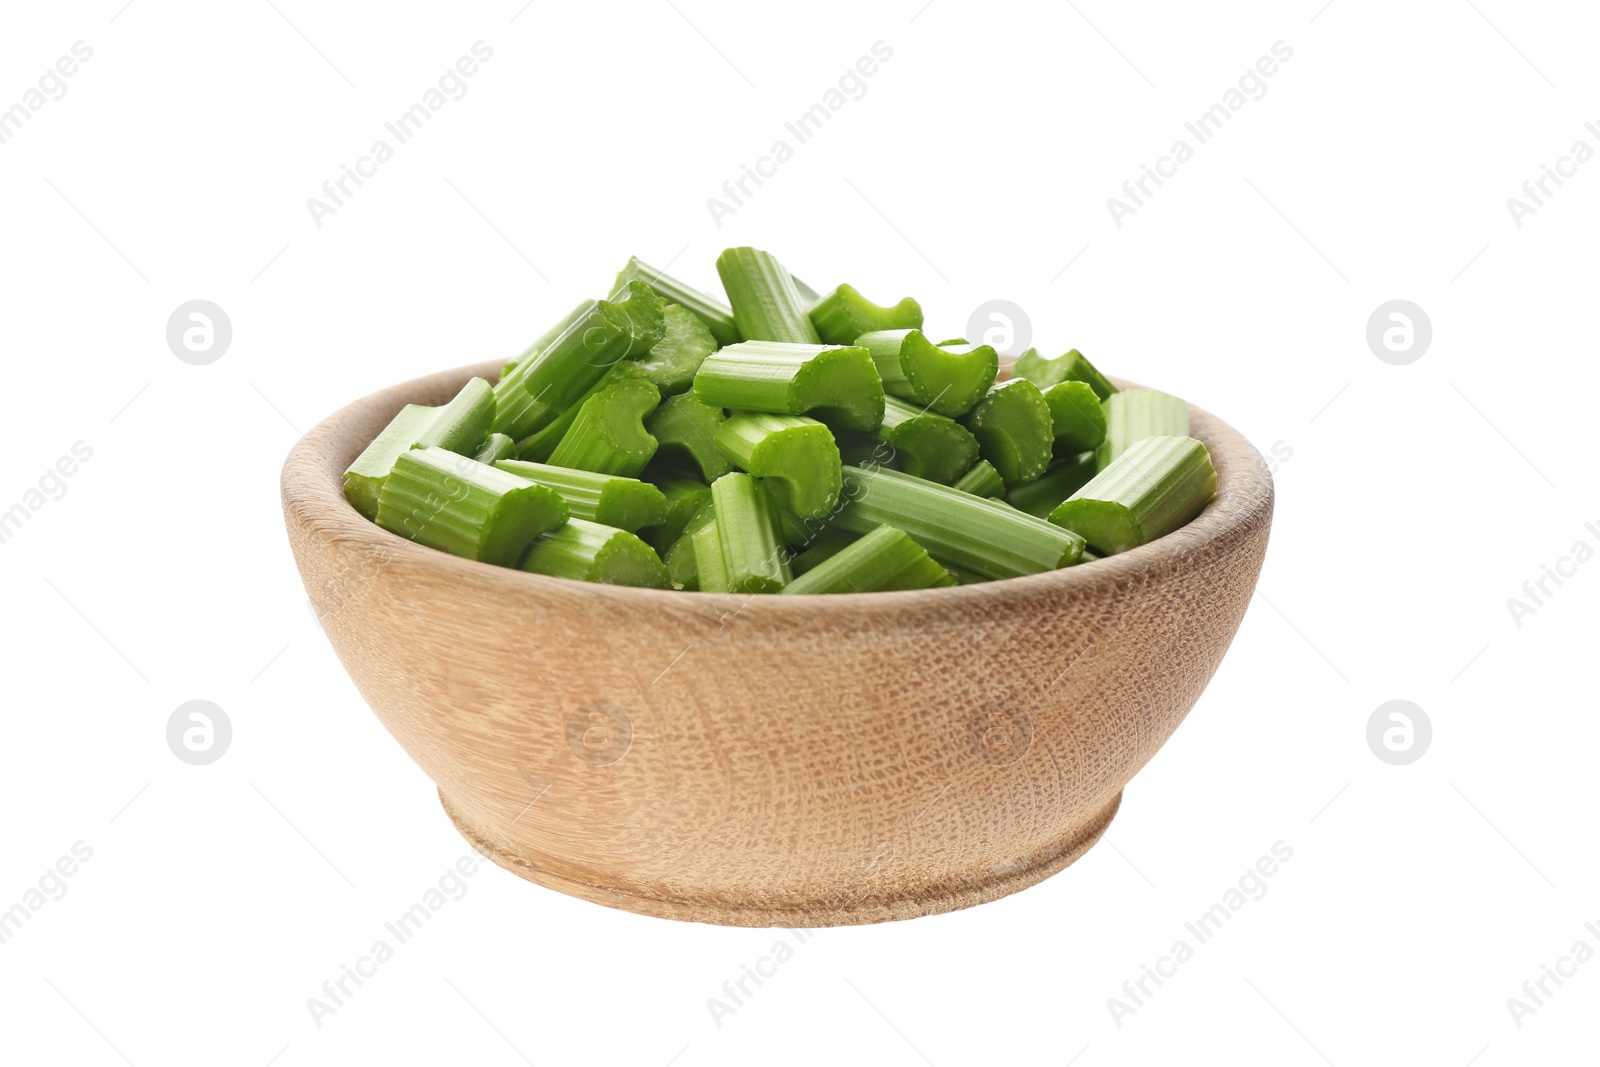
x=767, y=760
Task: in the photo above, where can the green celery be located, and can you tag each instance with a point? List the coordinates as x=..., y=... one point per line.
x=363, y=479
x=593, y=552
x=808, y=295
x=795, y=457
x=609, y=499
x=1156, y=486
x=926, y=444
x=542, y=342
x=1076, y=417
x=671, y=364
x=837, y=384
x=949, y=378
x=1134, y=414
x=844, y=314
x=883, y=560
x=957, y=529
x=766, y=304
x=823, y=548
x=545, y=384
x=609, y=435
x=684, y=496
x=686, y=427
x=1014, y=430
x=682, y=564
x=982, y=480
x=717, y=316
x=497, y=447
x=1066, y=476
x=1071, y=367
x=710, y=565
x=745, y=520
x=458, y=505
x=462, y=425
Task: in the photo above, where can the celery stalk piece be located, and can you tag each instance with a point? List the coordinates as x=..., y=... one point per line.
x=497, y=447
x=754, y=560
x=1089, y=556
x=363, y=479
x=609, y=499
x=671, y=364
x=1156, y=486
x=545, y=384
x=925, y=444
x=608, y=435
x=766, y=304
x=1076, y=416
x=1071, y=367
x=1134, y=414
x=458, y=505
x=686, y=427
x=957, y=529
x=717, y=316
x=1014, y=430
x=462, y=425
x=680, y=558
x=538, y=446
x=684, y=497
x=795, y=458
x=837, y=384
x=844, y=314
x=947, y=378
x=1065, y=477
x=710, y=565
x=883, y=560
x=823, y=548
x=593, y=552
x=982, y=480
x=542, y=342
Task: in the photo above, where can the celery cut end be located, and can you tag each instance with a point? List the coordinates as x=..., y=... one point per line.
x=1155, y=487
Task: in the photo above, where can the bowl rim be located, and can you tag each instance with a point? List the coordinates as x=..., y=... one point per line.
x=313, y=496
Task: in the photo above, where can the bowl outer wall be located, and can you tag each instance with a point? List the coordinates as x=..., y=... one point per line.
x=766, y=755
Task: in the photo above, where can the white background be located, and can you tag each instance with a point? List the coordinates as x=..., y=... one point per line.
x=977, y=165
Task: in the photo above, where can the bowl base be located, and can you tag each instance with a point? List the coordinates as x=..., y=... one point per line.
x=839, y=910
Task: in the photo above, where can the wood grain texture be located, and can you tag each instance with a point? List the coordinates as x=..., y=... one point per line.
x=764, y=760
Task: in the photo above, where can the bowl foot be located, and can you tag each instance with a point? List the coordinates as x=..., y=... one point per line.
x=845, y=908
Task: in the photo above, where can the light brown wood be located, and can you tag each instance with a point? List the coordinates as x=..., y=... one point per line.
x=765, y=760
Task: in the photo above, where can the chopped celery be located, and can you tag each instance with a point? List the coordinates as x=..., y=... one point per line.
x=671, y=364
x=766, y=304
x=883, y=560
x=592, y=552
x=710, y=565
x=458, y=505
x=680, y=557
x=1072, y=367
x=837, y=384
x=609, y=435
x=462, y=424
x=363, y=479
x=1148, y=491
x=1065, y=477
x=1076, y=417
x=957, y=529
x=1014, y=431
x=948, y=378
x=1134, y=414
x=497, y=447
x=545, y=384
x=982, y=480
x=745, y=520
x=795, y=457
x=844, y=314
x=717, y=316
x=925, y=444
x=686, y=426
x=609, y=499
x=824, y=547
x=684, y=497
x=538, y=446
x=542, y=342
